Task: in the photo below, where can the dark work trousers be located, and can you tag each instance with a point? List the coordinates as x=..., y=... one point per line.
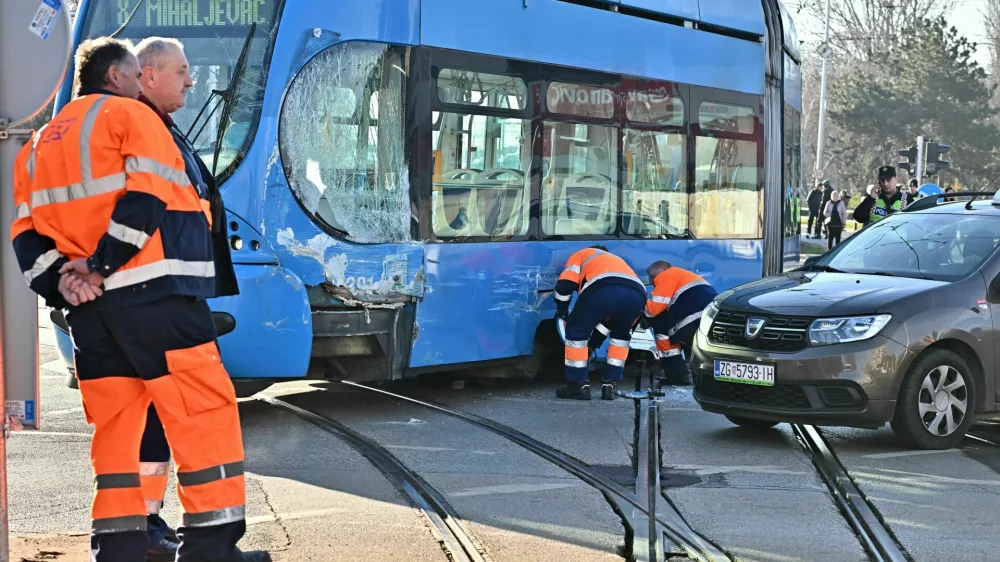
x=680, y=323
x=154, y=448
x=616, y=307
x=165, y=351
x=833, y=236
x=813, y=216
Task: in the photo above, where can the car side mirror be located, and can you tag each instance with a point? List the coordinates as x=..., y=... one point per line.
x=995, y=284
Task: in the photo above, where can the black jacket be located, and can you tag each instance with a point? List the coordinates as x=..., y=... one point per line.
x=814, y=201
x=200, y=176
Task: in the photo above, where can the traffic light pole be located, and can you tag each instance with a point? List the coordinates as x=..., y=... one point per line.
x=825, y=51
x=920, y=161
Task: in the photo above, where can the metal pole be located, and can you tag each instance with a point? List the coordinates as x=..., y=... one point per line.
x=920, y=161
x=825, y=51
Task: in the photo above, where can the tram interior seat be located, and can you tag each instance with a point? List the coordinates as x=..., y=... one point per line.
x=489, y=197
x=585, y=205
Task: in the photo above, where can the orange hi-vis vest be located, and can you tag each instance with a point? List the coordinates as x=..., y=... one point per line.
x=105, y=181
x=668, y=286
x=591, y=266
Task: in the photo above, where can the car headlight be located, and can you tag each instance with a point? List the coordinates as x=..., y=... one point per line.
x=707, y=316
x=827, y=331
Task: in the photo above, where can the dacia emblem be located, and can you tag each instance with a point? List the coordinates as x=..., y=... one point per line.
x=754, y=326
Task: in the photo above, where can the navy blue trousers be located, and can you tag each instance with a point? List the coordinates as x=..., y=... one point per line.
x=615, y=308
x=154, y=448
x=680, y=323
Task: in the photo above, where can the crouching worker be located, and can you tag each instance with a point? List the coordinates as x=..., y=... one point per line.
x=673, y=311
x=611, y=300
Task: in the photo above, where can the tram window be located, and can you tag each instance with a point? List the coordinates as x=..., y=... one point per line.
x=655, y=107
x=341, y=141
x=654, y=197
x=579, y=179
x=714, y=116
x=480, y=178
x=484, y=90
x=582, y=101
x=727, y=198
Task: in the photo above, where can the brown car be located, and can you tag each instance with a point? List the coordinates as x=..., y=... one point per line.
x=894, y=325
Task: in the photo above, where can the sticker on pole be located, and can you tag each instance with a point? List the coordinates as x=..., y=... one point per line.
x=45, y=18
x=21, y=410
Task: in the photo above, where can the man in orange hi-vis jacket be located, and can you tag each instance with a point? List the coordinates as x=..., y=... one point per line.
x=673, y=311
x=109, y=227
x=611, y=300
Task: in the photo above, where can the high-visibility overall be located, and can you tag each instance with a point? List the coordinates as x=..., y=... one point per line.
x=611, y=299
x=104, y=181
x=674, y=311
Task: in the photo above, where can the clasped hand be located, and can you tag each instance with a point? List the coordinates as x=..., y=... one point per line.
x=77, y=284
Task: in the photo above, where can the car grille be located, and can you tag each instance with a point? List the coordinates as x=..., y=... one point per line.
x=790, y=396
x=782, y=334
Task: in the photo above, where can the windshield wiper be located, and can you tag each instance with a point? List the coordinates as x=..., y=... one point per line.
x=887, y=274
x=225, y=102
x=825, y=268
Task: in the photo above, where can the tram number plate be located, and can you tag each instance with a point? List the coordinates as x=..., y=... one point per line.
x=746, y=373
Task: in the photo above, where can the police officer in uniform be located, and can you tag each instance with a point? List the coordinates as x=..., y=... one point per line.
x=888, y=197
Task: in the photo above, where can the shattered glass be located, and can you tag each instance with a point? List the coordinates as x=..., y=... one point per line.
x=341, y=140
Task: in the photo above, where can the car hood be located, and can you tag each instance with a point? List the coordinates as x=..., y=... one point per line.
x=824, y=294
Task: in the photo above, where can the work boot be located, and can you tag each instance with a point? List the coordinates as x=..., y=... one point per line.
x=607, y=390
x=163, y=551
x=574, y=391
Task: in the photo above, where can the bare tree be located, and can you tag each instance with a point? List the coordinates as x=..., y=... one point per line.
x=991, y=19
x=867, y=29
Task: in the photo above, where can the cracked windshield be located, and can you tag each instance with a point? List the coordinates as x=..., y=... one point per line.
x=500, y=280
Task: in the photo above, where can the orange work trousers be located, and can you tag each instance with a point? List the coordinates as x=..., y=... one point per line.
x=162, y=352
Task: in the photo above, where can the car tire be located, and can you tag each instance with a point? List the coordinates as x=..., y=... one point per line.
x=752, y=423
x=930, y=402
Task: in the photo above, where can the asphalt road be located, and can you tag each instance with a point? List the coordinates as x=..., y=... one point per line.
x=311, y=496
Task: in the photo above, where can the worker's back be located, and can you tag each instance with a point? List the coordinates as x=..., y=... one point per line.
x=595, y=264
x=98, y=168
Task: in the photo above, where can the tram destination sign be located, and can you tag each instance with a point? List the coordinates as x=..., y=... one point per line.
x=188, y=18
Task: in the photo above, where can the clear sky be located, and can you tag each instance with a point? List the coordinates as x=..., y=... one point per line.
x=965, y=15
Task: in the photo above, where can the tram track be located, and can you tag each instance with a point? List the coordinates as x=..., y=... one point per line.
x=860, y=513
x=458, y=542
x=648, y=514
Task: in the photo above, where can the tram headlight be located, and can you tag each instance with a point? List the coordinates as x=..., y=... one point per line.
x=828, y=331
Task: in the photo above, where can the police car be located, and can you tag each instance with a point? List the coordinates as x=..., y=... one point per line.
x=895, y=325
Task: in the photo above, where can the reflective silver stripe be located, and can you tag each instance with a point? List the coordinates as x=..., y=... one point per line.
x=597, y=253
x=86, y=130
x=612, y=274
x=120, y=480
x=211, y=474
x=646, y=312
x=141, y=165
x=576, y=343
x=603, y=329
x=217, y=517
x=157, y=269
x=118, y=524
x=153, y=507
x=616, y=362
x=23, y=211
x=154, y=468
x=661, y=337
x=42, y=264
x=30, y=164
x=659, y=299
x=560, y=297
x=65, y=194
x=572, y=268
x=670, y=353
x=687, y=320
x=619, y=343
x=576, y=363
x=688, y=286
x=128, y=234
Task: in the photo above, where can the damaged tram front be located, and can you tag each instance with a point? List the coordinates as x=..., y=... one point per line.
x=405, y=179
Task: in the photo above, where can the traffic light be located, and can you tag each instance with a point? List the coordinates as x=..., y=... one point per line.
x=934, y=153
x=911, y=156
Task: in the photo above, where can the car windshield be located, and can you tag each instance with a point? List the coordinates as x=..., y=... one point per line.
x=945, y=247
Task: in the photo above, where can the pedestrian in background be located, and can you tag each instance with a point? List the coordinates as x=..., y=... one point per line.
x=815, y=201
x=836, y=218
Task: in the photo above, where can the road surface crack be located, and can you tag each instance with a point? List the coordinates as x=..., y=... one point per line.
x=277, y=518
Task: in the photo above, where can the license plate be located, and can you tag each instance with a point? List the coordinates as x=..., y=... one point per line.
x=746, y=373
